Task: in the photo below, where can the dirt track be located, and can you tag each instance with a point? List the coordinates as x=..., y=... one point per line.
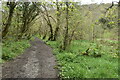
x=36, y=62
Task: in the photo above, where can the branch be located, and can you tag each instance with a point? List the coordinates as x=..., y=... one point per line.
x=53, y=19
x=111, y=6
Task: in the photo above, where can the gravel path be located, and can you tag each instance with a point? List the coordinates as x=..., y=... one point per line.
x=36, y=62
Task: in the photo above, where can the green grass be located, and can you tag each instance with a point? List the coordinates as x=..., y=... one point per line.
x=11, y=49
x=72, y=64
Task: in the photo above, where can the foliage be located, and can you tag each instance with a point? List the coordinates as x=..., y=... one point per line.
x=49, y=20
x=102, y=20
x=72, y=64
x=71, y=25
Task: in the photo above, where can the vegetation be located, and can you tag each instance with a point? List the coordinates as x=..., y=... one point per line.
x=101, y=61
x=11, y=49
x=84, y=37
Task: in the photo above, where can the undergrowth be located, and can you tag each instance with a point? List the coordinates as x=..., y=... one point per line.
x=73, y=64
x=11, y=49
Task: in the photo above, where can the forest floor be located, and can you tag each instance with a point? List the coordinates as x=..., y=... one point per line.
x=36, y=62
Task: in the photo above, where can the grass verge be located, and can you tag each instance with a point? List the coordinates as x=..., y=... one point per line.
x=73, y=64
x=11, y=49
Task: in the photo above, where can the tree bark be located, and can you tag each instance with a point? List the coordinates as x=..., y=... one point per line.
x=49, y=24
x=11, y=5
x=65, y=42
x=29, y=14
x=58, y=22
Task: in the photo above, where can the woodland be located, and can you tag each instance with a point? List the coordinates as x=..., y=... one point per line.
x=84, y=38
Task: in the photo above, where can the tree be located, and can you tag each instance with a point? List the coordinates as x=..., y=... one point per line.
x=65, y=41
x=29, y=13
x=58, y=20
x=46, y=17
x=11, y=6
x=48, y=23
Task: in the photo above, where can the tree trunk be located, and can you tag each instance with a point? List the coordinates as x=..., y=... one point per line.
x=9, y=20
x=65, y=42
x=51, y=32
x=58, y=22
x=93, y=34
x=119, y=27
x=48, y=23
x=24, y=19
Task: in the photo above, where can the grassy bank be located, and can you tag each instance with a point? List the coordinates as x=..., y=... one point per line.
x=11, y=49
x=73, y=63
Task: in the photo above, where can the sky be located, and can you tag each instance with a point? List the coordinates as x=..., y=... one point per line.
x=96, y=1
x=82, y=1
